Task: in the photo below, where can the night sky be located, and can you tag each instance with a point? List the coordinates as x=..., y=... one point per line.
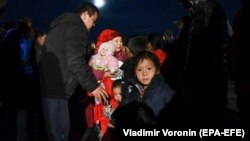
x=127, y=16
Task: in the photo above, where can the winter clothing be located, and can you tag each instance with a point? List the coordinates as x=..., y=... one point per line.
x=101, y=63
x=157, y=95
x=63, y=58
x=205, y=71
x=161, y=55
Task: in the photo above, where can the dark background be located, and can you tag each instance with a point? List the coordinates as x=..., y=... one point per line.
x=127, y=16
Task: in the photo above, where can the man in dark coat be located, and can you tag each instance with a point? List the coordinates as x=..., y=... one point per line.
x=63, y=68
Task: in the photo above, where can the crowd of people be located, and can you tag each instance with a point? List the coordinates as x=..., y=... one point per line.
x=117, y=81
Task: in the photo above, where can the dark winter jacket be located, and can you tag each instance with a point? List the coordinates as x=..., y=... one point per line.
x=157, y=95
x=63, y=66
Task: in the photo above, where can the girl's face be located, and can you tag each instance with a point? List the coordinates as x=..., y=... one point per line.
x=145, y=71
x=118, y=43
x=117, y=93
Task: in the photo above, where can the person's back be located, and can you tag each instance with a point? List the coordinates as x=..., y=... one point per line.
x=12, y=79
x=14, y=54
x=238, y=60
x=174, y=66
x=10, y=52
x=205, y=72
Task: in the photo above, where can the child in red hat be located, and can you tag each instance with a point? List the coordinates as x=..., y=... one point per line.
x=104, y=60
x=104, y=64
x=114, y=36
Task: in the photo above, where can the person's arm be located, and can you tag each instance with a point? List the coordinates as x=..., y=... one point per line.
x=76, y=47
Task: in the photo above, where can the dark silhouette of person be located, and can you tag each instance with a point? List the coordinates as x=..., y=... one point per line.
x=238, y=60
x=13, y=79
x=205, y=82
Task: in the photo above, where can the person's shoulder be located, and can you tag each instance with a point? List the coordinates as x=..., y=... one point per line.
x=163, y=86
x=159, y=78
x=67, y=18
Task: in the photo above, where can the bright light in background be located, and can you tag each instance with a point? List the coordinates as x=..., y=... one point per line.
x=99, y=3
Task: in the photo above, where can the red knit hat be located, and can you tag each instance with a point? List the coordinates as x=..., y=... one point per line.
x=106, y=35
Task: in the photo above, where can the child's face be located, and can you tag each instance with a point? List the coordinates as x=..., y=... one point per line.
x=103, y=52
x=145, y=71
x=117, y=93
x=150, y=47
x=40, y=40
x=118, y=43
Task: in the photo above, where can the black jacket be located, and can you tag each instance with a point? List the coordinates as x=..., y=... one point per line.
x=63, y=65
